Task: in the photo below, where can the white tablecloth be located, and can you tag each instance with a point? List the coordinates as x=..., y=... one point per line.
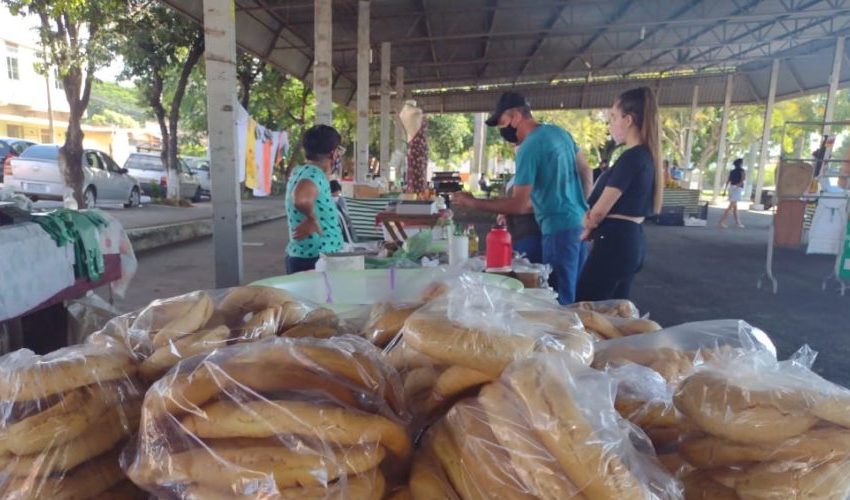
x=32, y=268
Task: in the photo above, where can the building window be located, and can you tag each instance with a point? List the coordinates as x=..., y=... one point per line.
x=57, y=79
x=14, y=131
x=45, y=136
x=12, y=62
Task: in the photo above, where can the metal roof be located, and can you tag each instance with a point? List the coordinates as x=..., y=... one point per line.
x=459, y=55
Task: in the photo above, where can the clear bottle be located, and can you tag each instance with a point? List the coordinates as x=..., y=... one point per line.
x=473, y=240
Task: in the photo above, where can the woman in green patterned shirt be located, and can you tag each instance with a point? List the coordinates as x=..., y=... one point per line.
x=313, y=224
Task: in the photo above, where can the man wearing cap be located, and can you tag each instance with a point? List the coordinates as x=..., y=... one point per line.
x=553, y=179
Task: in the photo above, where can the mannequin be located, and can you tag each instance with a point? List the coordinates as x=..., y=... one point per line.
x=413, y=120
x=411, y=117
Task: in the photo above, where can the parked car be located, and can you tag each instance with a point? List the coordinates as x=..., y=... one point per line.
x=148, y=168
x=201, y=167
x=36, y=174
x=11, y=147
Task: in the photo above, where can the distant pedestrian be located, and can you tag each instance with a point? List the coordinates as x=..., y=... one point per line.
x=735, y=188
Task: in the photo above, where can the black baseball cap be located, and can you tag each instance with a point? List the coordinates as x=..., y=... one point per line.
x=507, y=101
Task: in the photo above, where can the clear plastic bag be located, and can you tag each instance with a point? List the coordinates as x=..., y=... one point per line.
x=65, y=417
x=546, y=430
x=770, y=429
x=469, y=334
x=674, y=351
x=278, y=418
x=169, y=330
x=618, y=308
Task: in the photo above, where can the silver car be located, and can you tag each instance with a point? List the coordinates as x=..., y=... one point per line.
x=149, y=170
x=201, y=168
x=36, y=174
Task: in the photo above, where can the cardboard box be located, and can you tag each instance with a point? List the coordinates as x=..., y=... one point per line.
x=366, y=191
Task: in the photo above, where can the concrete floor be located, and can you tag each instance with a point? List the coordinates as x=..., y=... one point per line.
x=691, y=274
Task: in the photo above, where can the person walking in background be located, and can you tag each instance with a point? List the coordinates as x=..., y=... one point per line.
x=622, y=198
x=735, y=188
x=314, y=226
x=554, y=177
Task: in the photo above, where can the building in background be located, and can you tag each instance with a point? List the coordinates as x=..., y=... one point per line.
x=27, y=97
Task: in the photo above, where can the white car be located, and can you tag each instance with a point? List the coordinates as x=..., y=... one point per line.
x=36, y=174
x=201, y=168
x=148, y=169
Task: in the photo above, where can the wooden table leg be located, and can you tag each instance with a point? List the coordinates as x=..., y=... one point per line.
x=389, y=227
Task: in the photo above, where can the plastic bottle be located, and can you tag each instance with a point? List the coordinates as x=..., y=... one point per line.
x=499, y=249
x=473, y=240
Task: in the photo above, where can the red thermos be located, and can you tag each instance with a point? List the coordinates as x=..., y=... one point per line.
x=499, y=248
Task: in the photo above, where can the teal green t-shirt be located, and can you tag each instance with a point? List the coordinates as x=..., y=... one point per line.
x=326, y=213
x=546, y=160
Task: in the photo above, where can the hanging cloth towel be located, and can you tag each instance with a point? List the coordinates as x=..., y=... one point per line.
x=828, y=226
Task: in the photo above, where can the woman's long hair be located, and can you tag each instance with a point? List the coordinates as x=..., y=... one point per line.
x=641, y=104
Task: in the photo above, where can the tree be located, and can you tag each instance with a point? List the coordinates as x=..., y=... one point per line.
x=449, y=137
x=157, y=42
x=248, y=69
x=108, y=117
x=119, y=99
x=75, y=38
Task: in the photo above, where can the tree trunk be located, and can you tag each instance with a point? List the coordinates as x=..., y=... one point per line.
x=71, y=152
x=170, y=147
x=71, y=158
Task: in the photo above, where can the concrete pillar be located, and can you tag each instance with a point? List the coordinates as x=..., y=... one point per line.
x=692, y=128
x=750, y=165
x=478, y=139
x=400, y=134
x=220, y=60
x=362, y=158
x=323, y=60
x=765, y=137
x=721, y=146
x=833, y=82
x=386, y=120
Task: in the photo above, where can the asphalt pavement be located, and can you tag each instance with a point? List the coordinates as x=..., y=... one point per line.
x=691, y=274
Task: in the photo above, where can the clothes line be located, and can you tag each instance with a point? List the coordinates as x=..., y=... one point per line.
x=258, y=150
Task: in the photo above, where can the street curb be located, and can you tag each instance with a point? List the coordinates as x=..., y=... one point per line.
x=149, y=238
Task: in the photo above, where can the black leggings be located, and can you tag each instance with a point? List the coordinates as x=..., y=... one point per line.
x=617, y=254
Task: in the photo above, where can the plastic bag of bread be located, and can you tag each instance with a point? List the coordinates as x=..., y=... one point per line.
x=770, y=429
x=277, y=418
x=386, y=319
x=673, y=352
x=171, y=329
x=465, y=338
x=618, y=308
x=547, y=429
x=645, y=398
x=65, y=417
x=610, y=319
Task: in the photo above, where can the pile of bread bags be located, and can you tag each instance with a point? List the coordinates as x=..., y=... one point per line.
x=469, y=392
